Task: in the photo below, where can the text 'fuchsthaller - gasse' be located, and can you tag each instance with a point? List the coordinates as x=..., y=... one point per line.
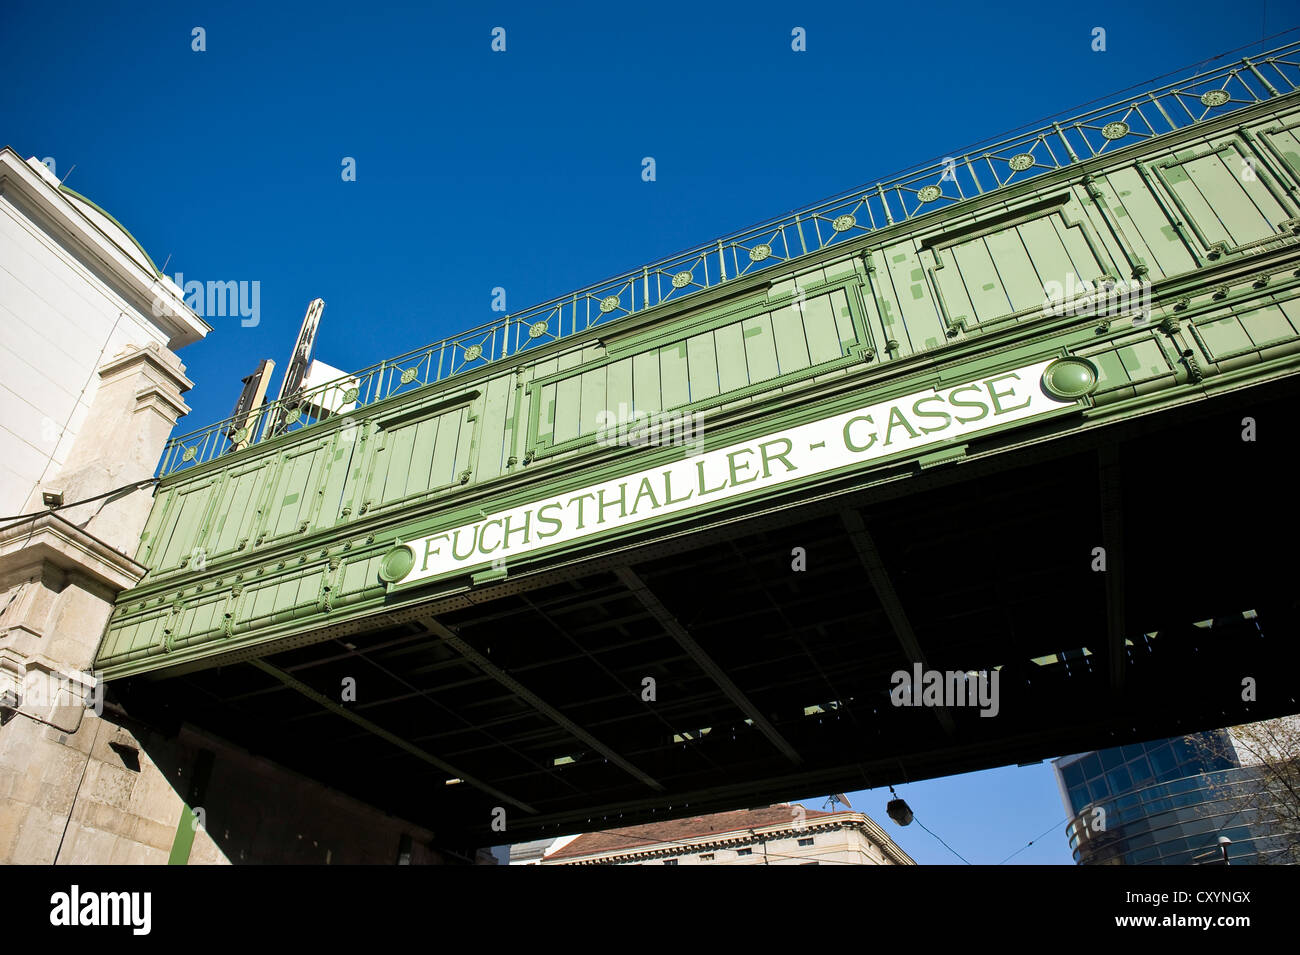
x=895, y=427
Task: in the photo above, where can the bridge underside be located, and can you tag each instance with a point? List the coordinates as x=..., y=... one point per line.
x=773, y=683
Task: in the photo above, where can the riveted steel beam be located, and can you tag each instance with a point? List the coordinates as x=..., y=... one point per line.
x=874, y=565
x=453, y=640
x=340, y=710
x=1110, y=475
x=664, y=616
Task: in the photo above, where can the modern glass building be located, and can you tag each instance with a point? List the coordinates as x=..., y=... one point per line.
x=1165, y=802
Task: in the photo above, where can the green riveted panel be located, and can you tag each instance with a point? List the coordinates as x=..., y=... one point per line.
x=294, y=495
x=1267, y=326
x=998, y=273
x=674, y=376
x=732, y=353
x=568, y=408
x=1291, y=309
x=702, y=364
x=134, y=637
x=593, y=400
x=822, y=335
x=1223, y=189
x=1089, y=258
x=543, y=409
x=733, y=372
x=791, y=339
x=1015, y=269
x=1047, y=254
x=646, y=392
x=983, y=282
x=1230, y=334
x=346, y=444
x=1224, y=336
x=360, y=575
x=431, y=450
x=1128, y=361
x=1146, y=225
x=914, y=307
x=200, y=619
x=620, y=393
x=424, y=438
x=1209, y=229
x=396, y=447
x=1286, y=144
x=1225, y=200
x=491, y=451
x=760, y=348
x=442, y=463
x=188, y=510
x=408, y=473
x=838, y=303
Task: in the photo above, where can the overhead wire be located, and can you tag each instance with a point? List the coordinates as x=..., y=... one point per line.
x=1032, y=841
x=17, y=518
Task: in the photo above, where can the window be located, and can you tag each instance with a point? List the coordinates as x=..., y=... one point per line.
x=1119, y=780
x=670, y=862
x=1173, y=847
x=1079, y=798
x=1185, y=751
x=1163, y=761
x=744, y=852
x=806, y=842
x=1143, y=855
x=1142, y=840
x=1133, y=750
x=1128, y=802
x=1140, y=771
x=706, y=857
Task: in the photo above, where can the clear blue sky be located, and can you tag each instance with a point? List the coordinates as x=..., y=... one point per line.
x=985, y=817
x=523, y=169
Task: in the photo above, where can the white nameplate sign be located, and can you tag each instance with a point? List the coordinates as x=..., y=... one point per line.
x=907, y=423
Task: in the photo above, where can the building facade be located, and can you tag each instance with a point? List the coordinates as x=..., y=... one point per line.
x=783, y=834
x=1166, y=802
x=78, y=298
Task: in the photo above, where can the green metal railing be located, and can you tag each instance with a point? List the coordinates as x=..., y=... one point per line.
x=975, y=171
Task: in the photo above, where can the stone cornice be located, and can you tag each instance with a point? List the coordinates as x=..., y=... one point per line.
x=162, y=400
x=164, y=378
x=26, y=545
x=129, y=278
x=159, y=365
